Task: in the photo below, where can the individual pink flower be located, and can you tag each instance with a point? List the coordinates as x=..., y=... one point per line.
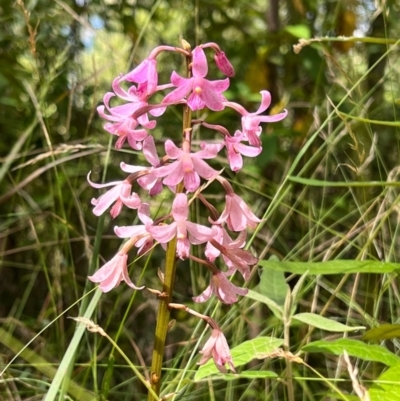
x=146, y=75
x=123, y=124
x=112, y=273
x=237, y=214
x=145, y=241
x=149, y=181
x=222, y=288
x=188, y=167
x=120, y=194
x=234, y=257
x=185, y=231
x=251, y=121
x=235, y=149
x=203, y=93
x=217, y=348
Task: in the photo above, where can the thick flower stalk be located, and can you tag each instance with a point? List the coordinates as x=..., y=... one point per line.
x=181, y=171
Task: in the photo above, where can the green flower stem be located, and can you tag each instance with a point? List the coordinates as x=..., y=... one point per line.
x=163, y=320
x=163, y=316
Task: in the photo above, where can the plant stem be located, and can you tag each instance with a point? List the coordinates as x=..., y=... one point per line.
x=163, y=315
x=163, y=319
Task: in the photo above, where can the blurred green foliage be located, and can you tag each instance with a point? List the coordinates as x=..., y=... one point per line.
x=58, y=58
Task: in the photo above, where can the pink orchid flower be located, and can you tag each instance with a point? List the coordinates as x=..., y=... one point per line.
x=120, y=194
x=185, y=231
x=236, y=214
x=234, y=257
x=146, y=75
x=217, y=348
x=204, y=93
x=251, y=121
x=112, y=273
x=123, y=124
x=222, y=288
x=188, y=167
x=146, y=240
x=149, y=181
x=235, y=150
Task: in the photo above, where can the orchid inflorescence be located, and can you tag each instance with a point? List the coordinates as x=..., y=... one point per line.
x=181, y=170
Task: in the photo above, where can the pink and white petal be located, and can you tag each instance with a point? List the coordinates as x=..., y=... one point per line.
x=239, y=242
x=177, y=80
x=212, y=99
x=126, y=278
x=150, y=151
x=116, y=209
x=133, y=201
x=203, y=297
x=172, y=150
x=249, y=151
x=203, y=169
x=208, y=150
x=198, y=234
x=191, y=181
x=274, y=118
x=265, y=102
x=157, y=112
x=105, y=201
x=139, y=73
x=220, y=85
x=176, y=176
x=102, y=114
x=235, y=160
x=180, y=208
x=246, y=210
x=182, y=248
x=129, y=168
x=195, y=101
x=199, y=63
x=162, y=234
x=108, y=184
x=129, y=231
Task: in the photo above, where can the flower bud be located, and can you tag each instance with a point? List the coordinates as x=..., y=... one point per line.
x=224, y=64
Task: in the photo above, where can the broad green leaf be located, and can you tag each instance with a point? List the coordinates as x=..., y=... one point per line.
x=387, y=386
x=324, y=323
x=275, y=308
x=300, y=31
x=383, y=332
x=273, y=285
x=332, y=267
x=356, y=348
x=243, y=353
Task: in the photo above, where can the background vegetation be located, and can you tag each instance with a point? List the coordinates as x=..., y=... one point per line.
x=326, y=184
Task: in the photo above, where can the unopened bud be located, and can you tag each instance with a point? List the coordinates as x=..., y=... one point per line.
x=224, y=64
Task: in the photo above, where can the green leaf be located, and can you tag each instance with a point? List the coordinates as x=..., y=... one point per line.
x=247, y=374
x=385, y=331
x=356, y=348
x=273, y=285
x=332, y=267
x=243, y=353
x=300, y=31
x=387, y=386
x=361, y=184
x=324, y=323
x=275, y=308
